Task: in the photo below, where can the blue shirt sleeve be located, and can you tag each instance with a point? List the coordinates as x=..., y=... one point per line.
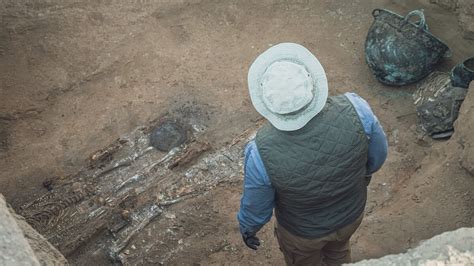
x=257, y=202
x=378, y=146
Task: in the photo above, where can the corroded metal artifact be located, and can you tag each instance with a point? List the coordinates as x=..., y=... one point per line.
x=462, y=74
x=401, y=52
x=168, y=135
x=437, y=104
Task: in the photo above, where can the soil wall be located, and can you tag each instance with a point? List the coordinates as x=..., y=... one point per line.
x=465, y=11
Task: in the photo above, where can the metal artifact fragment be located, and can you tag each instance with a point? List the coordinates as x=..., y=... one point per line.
x=168, y=135
x=463, y=73
x=437, y=104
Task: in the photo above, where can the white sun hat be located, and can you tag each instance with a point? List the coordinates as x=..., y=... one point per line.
x=288, y=86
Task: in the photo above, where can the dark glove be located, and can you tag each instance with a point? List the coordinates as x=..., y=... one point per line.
x=251, y=241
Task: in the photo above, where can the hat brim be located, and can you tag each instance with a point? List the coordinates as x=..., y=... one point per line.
x=298, y=54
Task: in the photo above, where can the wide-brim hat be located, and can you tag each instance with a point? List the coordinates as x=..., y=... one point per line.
x=287, y=86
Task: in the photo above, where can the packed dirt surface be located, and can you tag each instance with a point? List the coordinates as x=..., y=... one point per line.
x=77, y=75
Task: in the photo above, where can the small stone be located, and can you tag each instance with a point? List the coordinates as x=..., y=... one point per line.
x=133, y=247
x=76, y=187
x=100, y=201
x=48, y=184
x=126, y=252
x=125, y=214
x=394, y=136
x=95, y=157
x=203, y=167
x=170, y=216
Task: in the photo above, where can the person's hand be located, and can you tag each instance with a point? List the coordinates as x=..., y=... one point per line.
x=251, y=241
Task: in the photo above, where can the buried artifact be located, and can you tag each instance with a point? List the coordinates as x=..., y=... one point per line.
x=168, y=135
x=439, y=98
x=463, y=73
x=437, y=104
x=400, y=52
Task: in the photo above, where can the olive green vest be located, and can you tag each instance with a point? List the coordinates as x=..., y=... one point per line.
x=318, y=171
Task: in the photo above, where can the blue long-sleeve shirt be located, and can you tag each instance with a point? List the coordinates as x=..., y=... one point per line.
x=258, y=198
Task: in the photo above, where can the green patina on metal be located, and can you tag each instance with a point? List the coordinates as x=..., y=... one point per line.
x=462, y=74
x=400, y=52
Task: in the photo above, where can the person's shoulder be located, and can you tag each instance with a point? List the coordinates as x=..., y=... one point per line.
x=358, y=102
x=363, y=110
x=250, y=146
x=251, y=152
x=356, y=98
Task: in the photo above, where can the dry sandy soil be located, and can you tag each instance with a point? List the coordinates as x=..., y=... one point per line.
x=76, y=75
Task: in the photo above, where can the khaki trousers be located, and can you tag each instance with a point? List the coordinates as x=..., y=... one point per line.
x=333, y=249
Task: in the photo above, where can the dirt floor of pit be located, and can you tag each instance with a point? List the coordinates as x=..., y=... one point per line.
x=75, y=76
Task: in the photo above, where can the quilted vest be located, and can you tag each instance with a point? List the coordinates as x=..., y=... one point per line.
x=318, y=171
